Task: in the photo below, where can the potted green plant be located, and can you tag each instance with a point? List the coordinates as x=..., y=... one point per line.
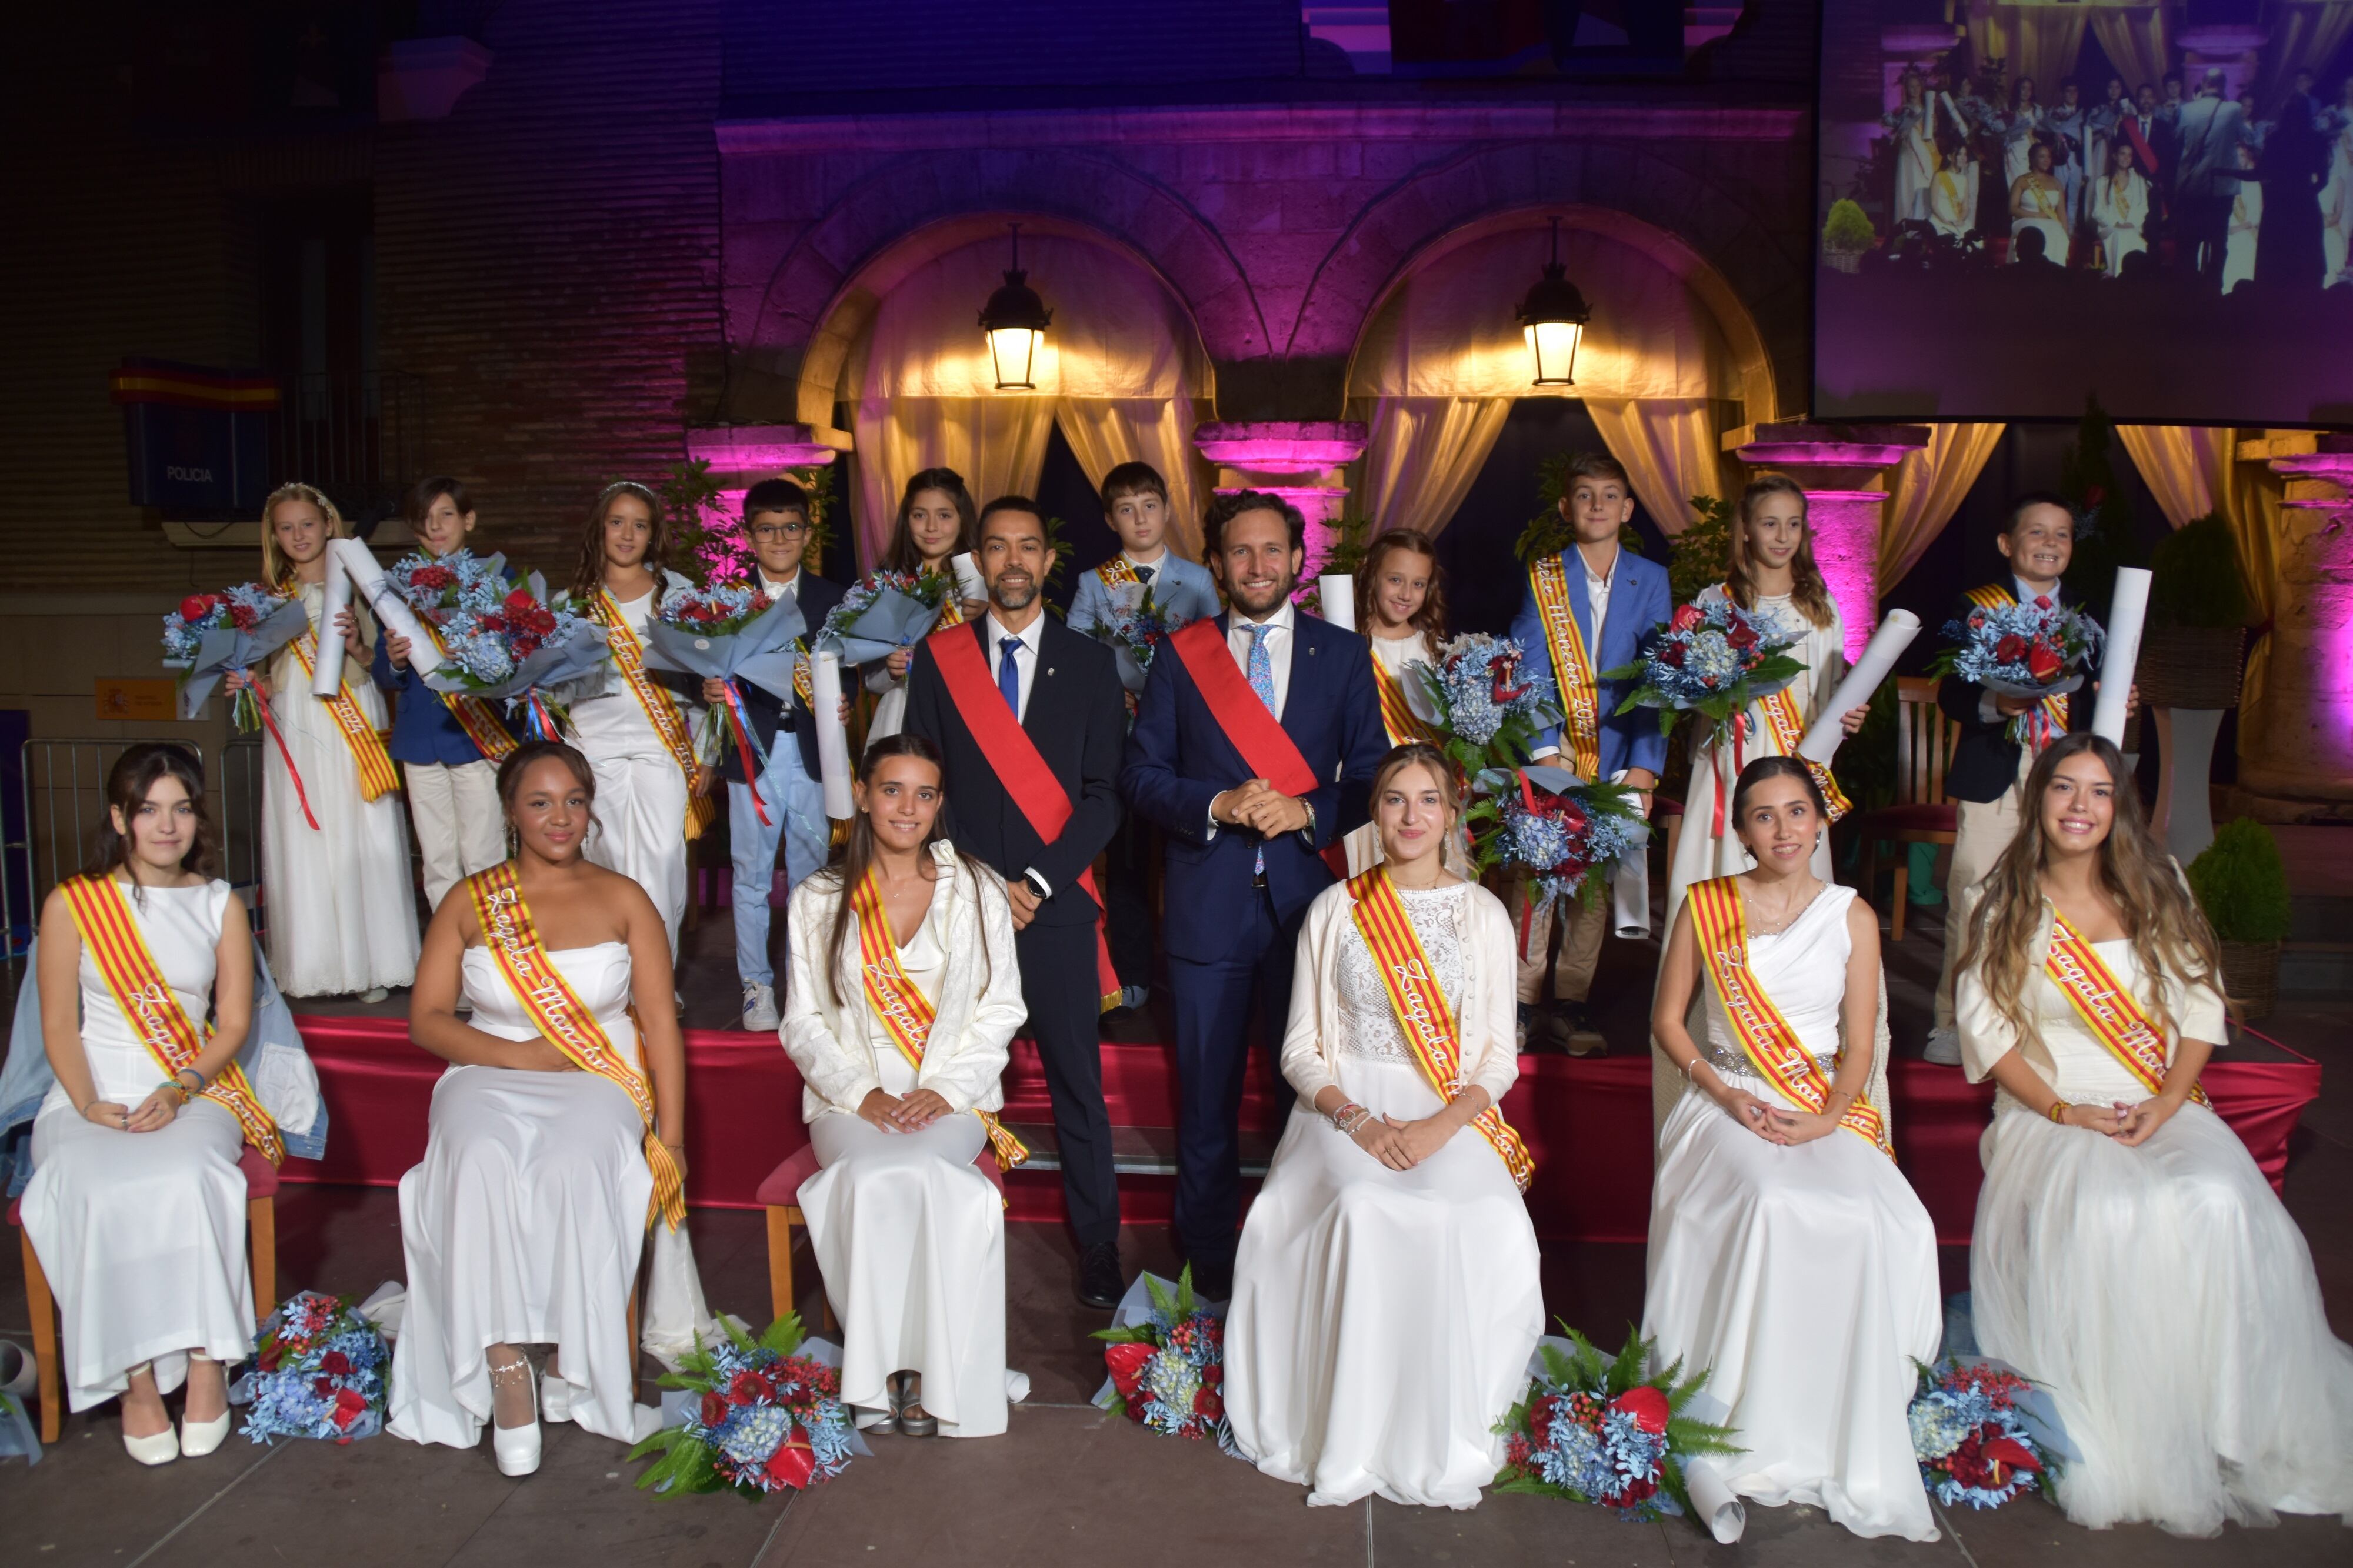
x=1846, y=235
x=2198, y=615
x=2241, y=884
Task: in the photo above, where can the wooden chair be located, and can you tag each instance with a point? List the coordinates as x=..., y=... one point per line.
x=1921, y=815
x=780, y=1195
x=262, y=1240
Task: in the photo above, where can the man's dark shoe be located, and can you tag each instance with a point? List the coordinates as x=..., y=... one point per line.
x=1213, y=1280
x=1582, y=1037
x=1101, y=1284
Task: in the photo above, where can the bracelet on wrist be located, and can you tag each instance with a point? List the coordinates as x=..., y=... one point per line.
x=1350, y=1116
x=198, y=1087
x=176, y=1087
x=2059, y=1110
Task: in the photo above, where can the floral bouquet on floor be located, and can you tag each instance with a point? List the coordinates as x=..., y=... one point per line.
x=730, y=633
x=765, y=1418
x=2040, y=649
x=1167, y=1364
x=516, y=647
x=1967, y=1430
x=318, y=1372
x=883, y=612
x=211, y=635
x=1555, y=831
x=1608, y=1431
x=440, y=587
x=1711, y=659
x=1134, y=627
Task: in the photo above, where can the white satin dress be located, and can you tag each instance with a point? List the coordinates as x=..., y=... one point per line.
x=1382, y=1321
x=2161, y=1293
x=1804, y=1277
x=524, y=1222
x=141, y=1235
x=341, y=902
x=641, y=792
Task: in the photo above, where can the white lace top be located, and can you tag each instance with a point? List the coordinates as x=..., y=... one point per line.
x=1368, y=1023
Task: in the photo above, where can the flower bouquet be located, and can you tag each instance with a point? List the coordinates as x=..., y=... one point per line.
x=439, y=586
x=318, y=1372
x=212, y=635
x=1607, y=1432
x=1557, y=831
x=765, y=1418
x=1488, y=710
x=514, y=648
x=1713, y=660
x=730, y=633
x=2040, y=649
x=1967, y=1430
x=1167, y=1364
x=1134, y=627
x=884, y=613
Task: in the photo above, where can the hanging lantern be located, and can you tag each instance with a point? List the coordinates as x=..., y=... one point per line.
x=1553, y=318
x=1015, y=320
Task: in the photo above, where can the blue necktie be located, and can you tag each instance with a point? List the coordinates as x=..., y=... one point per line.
x=1262, y=679
x=1008, y=674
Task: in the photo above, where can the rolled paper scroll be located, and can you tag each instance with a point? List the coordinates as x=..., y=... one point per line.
x=327, y=673
x=391, y=611
x=1718, y=1506
x=2126, y=612
x=1896, y=630
x=1338, y=592
x=832, y=740
x=1630, y=892
x=967, y=575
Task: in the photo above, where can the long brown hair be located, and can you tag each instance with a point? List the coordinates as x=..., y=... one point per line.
x=856, y=857
x=1431, y=619
x=588, y=577
x=2169, y=935
x=1807, y=589
x=275, y=570
x=128, y=782
x=901, y=554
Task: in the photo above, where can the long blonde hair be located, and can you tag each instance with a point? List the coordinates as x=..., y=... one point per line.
x=1808, y=591
x=277, y=571
x=2169, y=936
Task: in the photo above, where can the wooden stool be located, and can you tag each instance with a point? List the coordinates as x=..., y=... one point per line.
x=780, y=1195
x=261, y=1239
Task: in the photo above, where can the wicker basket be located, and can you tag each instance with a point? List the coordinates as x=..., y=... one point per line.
x=2190, y=667
x=2250, y=975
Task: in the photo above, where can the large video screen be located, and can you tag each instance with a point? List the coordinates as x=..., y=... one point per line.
x=2030, y=203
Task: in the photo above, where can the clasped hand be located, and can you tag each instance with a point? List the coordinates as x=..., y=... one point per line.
x=909, y=1113
x=1402, y=1145
x=1258, y=805
x=155, y=1111
x=2130, y=1125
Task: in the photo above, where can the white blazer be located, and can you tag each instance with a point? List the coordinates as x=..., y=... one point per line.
x=1487, y=1014
x=978, y=1008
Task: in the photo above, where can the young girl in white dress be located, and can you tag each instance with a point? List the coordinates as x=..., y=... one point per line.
x=1401, y=609
x=634, y=723
x=544, y=1162
x=2119, y=209
x=136, y=1207
x=1788, y=1256
x=904, y=997
x=937, y=521
x=2129, y=1256
x=1386, y=1293
x=341, y=901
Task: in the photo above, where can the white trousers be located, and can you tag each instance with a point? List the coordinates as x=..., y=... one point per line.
x=461, y=828
x=1984, y=830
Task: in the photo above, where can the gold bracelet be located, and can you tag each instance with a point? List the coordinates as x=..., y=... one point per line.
x=2059, y=1110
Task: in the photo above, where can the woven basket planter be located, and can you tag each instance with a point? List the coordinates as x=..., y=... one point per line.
x=2190, y=667
x=2250, y=975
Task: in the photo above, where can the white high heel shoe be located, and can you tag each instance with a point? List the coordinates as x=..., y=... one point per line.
x=554, y=1398
x=198, y=1439
x=156, y=1449
x=517, y=1447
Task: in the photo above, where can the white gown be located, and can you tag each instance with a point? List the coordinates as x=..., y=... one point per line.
x=341, y=901
x=1804, y=1278
x=2119, y=211
x=524, y=1222
x=641, y=792
x=910, y=1235
x=1382, y=1321
x=141, y=1235
x=2161, y=1293
x=1363, y=842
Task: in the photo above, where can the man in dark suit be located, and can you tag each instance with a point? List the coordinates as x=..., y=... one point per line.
x=776, y=516
x=1245, y=845
x=2209, y=130
x=1044, y=696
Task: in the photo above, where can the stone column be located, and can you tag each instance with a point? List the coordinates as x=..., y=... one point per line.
x=1299, y=460
x=1833, y=463
x=741, y=456
x=2295, y=742
x=2236, y=47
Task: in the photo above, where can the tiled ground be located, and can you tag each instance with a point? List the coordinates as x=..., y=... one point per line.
x=1068, y=1485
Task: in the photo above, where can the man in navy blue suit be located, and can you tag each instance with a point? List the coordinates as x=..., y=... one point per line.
x=1248, y=808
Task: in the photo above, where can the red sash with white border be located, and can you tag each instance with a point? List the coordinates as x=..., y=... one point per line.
x=2106, y=1008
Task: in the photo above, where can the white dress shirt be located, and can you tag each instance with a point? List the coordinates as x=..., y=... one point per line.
x=788, y=589
x=1025, y=656
x=1277, y=636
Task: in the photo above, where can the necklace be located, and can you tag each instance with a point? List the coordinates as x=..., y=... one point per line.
x=1772, y=922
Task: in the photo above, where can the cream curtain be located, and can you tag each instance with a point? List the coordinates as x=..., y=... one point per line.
x=1671, y=450
x=1421, y=455
x=1105, y=432
x=2038, y=41
x=2184, y=466
x=1924, y=491
x=2252, y=494
x=998, y=444
x=2306, y=36
x=2137, y=40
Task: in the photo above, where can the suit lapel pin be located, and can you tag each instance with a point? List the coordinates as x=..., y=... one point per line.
x=1050, y=670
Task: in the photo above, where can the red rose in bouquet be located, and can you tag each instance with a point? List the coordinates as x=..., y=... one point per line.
x=196, y=606
x=2011, y=649
x=1685, y=618
x=2043, y=661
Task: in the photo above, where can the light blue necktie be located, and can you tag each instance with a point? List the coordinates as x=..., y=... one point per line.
x=1008, y=674
x=1262, y=679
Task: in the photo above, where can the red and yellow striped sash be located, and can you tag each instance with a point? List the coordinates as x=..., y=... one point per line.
x=1423, y=1014
x=1398, y=716
x=661, y=706
x=1721, y=924
x=378, y=777
x=1572, y=666
x=110, y=931
x=511, y=939
x=2106, y=1008
x=906, y=1013
x=1117, y=572
x=1993, y=596
x=473, y=714
x=1781, y=716
x=804, y=680
x=951, y=605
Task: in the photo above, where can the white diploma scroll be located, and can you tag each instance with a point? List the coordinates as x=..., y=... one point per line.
x=1713, y=1498
x=832, y=740
x=391, y=611
x=2126, y=612
x=1338, y=592
x=1896, y=630
x=1630, y=893
x=967, y=577
x=327, y=675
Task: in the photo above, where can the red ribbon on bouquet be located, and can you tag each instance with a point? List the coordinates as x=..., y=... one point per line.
x=1723, y=784
x=746, y=747
x=261, y=706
